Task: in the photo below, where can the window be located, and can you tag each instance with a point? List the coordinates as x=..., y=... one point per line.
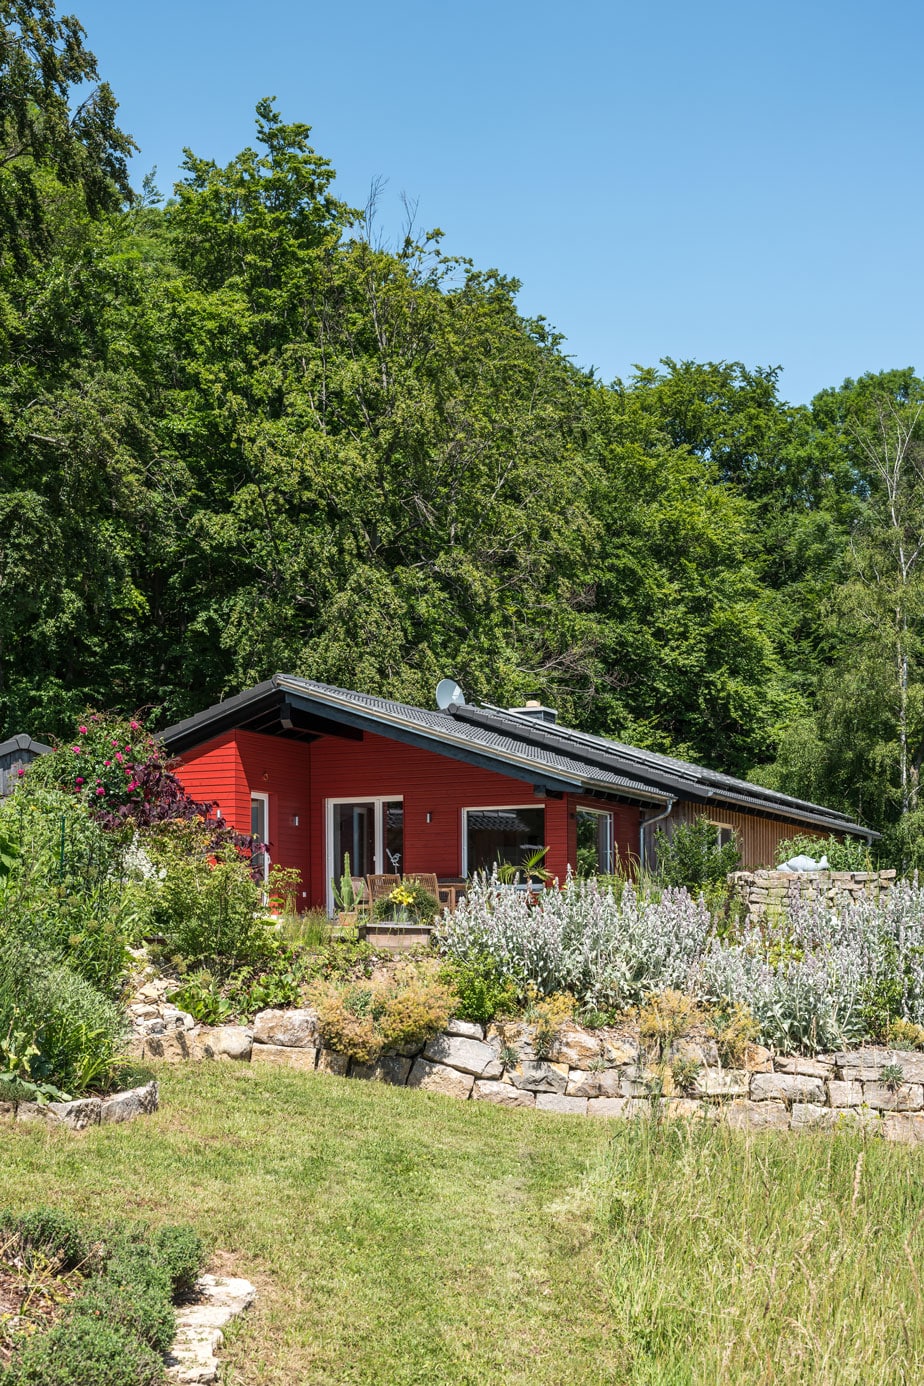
x=259, y=828
x=594, y=842
x=724, y=833
x=498, y=835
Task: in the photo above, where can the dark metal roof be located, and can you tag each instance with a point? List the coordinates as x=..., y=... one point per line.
x=14, y=752
x=552, y=757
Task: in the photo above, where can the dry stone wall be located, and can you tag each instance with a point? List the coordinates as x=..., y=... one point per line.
x=86, y=1111
x=773, y=892
x=611, y=1073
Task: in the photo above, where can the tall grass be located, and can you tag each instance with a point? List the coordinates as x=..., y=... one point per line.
x=761, y=1260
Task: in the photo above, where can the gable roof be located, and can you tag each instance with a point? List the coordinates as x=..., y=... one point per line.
x=550, y=756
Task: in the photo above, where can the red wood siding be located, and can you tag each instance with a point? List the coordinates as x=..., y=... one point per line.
x=625, y=828
x=232, y=767
x=428, y=783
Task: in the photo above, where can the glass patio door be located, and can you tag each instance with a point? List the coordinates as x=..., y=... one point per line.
x=370, y=832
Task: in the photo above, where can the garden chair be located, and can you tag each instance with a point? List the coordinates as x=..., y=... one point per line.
x=380, y=886
x=425, y=879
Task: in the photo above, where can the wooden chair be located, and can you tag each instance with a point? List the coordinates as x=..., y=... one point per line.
x=380, y=886
x=425, y=879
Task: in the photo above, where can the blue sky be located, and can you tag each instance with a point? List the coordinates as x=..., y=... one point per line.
x=716, y=181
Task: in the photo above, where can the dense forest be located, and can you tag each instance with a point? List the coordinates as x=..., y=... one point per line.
x=240, y=434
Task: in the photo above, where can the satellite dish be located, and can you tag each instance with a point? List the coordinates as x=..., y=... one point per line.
x=449, y=694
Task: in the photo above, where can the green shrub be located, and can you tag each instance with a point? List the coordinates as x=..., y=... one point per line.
x=850, y=855
x=65, y=893
x=142, y=1310
x=481, y=990
x=48, y=1234
x=82, y=1351
x=691, y=856
x=71, y=1033
x=206, y=911
x=181, y=1252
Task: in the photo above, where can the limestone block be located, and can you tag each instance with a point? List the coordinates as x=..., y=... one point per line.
x=809, y=1116
x=558, y=1102
x=284, y=1056
x=866, y=1065
x=685, y=1108
x=903, y=1126
x=537, y=1075
x=608, y=1107
x=465, y=1029
x=439, y=1078
x=329, y=1061
x=757, y=1059
x=502, y=1094
x=699, y=1051
x=745, y=1115
x=78, y=1115
x=844, y=1094
x=620, y=1049
x=909, y=1097
x=31, y=1111
x=390, y=1068
x=859, y=1119
x=787, y=1087
x=581, y=1083
x=226, y=1042
x=297, y=1029
x=576, y=1046
x=467, y=1055
x=717, y=1082
x=173, y=1048
x=125, y=1106
x=807, y=1068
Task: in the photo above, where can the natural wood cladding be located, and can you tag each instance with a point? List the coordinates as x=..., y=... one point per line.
x=428, y=783
x=758, y=838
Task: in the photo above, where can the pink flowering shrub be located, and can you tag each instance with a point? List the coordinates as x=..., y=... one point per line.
x=122, y=773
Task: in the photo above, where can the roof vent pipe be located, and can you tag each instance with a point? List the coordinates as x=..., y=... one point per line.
x=533, y=708
x=643, y=838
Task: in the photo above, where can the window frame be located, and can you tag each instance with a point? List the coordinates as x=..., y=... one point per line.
x=606, y=870
x=494, y=808
x=378, y=801
x=264, y=798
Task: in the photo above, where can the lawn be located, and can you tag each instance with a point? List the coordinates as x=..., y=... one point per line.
x=398, y=1237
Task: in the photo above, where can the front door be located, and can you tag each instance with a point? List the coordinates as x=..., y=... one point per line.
x=368, y=831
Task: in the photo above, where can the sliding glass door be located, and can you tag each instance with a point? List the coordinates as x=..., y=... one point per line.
x=368, y=831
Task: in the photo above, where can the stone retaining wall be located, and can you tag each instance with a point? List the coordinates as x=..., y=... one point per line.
x=86, y=1111
x=604, y=1073
x=772, y=892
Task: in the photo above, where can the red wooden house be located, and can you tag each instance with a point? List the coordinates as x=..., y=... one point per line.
x=319, y=772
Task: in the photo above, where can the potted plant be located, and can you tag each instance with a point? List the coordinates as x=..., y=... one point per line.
x=408, y=903
x=346, y=896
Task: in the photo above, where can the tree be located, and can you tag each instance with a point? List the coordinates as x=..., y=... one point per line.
x=42, y=61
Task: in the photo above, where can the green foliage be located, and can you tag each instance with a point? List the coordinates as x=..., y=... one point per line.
x=206, y=909
x=68, y=1352
x=65, y=1032
x=407, y=901
x=852, y=854
x=120, y=1322
x=482, y=992
x=691, y=856
x=181, y=1252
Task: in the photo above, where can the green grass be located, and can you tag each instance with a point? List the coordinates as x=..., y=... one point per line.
x=400, y=1238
